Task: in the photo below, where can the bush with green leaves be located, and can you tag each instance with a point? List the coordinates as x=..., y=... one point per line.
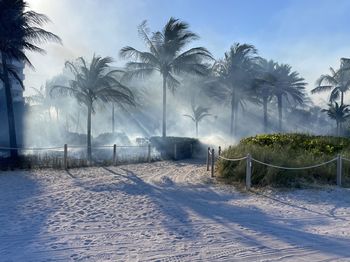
x=288, y=150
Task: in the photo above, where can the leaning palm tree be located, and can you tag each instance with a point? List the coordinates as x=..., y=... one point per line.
x=289, y=86
x=232, y=79
x=198, y=113
x=339, y=113
x=93, y=83
x=166, y=56
x=338, y=82
x=20, y=31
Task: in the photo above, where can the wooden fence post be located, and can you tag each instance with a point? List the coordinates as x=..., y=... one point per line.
x=114, y=154
x=248, y=172
x=149, y=153
x=65, y=158
x=208, y=158
x=219, y=151
x=339, y=169
x=212, y=162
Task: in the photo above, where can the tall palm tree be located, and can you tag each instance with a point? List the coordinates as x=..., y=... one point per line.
x=232, y=79
x=20, y=31
x=339, y=113
x=92, y=83
x=338, y=82
x=198, y=113
x=264, y=85
x=289, y=86
x=166, y=56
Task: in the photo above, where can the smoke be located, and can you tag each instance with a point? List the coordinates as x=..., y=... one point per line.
x=103, y=28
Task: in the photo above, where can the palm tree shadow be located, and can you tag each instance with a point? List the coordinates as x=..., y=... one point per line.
x=21, y=220
x=134, y=185
x=179, y=204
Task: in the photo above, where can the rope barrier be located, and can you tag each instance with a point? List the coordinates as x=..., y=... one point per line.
x=294, y=168
x=61, y=147
x=232, y=159
x=31, y=148
x=346, y=159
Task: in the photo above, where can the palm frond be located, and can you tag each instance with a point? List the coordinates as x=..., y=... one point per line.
x=191, y=117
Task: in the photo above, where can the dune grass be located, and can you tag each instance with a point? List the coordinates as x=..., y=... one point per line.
x=290, y=150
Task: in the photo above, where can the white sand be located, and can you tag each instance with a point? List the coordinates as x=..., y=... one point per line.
x=165, y=211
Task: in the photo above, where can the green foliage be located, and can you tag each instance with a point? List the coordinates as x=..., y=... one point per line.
x=289, y=150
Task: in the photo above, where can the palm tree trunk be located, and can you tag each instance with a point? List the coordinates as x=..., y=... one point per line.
x=112, y=118
x=78, y=122
x=67, y=123
x=265, y=113
x=279, y=104
x=196, y=129
x=236, y=120
x=164, y=106
x=232, y=116
x=342, y=98
x=10, y=111
x=338, y=128
x=89, y=133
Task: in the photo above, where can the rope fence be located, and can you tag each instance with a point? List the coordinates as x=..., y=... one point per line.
x=249, y=163
x=295, y=168
x=65, y=149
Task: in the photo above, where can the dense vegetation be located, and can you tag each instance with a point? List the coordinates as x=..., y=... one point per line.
x=289, y=150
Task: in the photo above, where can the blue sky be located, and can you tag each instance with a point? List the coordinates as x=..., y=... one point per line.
x=310, y=35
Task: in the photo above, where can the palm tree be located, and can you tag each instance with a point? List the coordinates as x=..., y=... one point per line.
x=166, y=56
x=339, y=113
x=264, y=85
x=41, y=99
x=93, y=83
x=232, y=79
x=19, y=32
x=289, y=86
x=198, y=113
x=338, y=81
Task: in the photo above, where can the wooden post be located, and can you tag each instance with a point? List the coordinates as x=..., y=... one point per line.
x=248, y=177
x=339, y=169
x=219, y=151
x=208, y=158
x=114, y=154
x=65, y=158
x=149, y=153
x=212, y=162
x=175, y=151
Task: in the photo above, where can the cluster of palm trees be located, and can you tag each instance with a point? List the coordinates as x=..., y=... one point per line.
x=240, y=77
x=337, y=83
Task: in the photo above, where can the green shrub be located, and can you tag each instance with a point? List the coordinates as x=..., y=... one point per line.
x=289, y=150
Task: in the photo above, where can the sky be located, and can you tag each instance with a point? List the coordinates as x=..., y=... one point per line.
x=310, y=35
